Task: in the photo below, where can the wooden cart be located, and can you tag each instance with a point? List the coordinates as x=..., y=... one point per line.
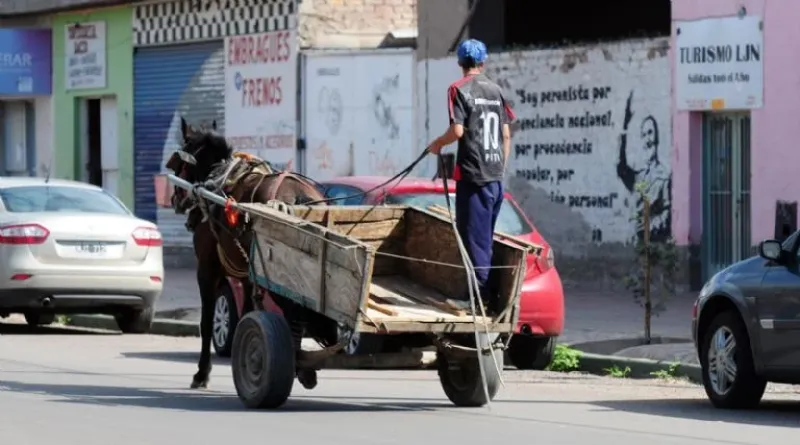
x=385, y=270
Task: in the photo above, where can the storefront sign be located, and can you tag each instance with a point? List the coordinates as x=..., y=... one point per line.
x=25, y=61
x=85, y=55
x=720, y=64
x=261, y=95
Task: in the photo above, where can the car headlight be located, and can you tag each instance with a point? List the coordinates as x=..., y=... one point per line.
x=551, y=258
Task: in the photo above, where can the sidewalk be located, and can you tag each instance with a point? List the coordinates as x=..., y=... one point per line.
x=589, y=315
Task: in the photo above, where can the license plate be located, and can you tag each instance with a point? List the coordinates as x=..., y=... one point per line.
x=91, y=248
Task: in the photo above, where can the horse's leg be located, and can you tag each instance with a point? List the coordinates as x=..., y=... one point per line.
x=207, y=280
x=209, y=274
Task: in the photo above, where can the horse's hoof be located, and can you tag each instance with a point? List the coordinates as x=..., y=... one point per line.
x=199, y=384
x=307, y=378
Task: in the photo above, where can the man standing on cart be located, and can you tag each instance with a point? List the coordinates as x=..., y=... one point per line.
x=480, y=119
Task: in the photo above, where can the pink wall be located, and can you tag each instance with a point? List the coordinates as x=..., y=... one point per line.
x=775, y=143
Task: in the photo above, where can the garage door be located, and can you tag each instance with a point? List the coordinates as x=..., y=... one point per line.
x=171, y=82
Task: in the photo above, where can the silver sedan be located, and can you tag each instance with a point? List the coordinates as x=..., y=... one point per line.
x=70, y=247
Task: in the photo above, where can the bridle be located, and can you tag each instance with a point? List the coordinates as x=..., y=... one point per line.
x=187, y=203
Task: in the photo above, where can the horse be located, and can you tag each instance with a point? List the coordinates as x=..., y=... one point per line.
x=221, y=240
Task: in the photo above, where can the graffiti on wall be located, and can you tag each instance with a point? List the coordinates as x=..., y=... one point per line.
x=590, y=133
x=359, y=114
x=592, y=123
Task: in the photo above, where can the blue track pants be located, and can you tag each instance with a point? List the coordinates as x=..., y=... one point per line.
x=477, y=207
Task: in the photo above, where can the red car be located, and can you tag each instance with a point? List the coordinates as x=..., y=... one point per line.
x=541, y=318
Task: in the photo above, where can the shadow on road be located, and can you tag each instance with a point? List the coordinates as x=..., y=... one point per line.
x=23, y=329
x=177, y=356
x=770, y=412
x=190, y=401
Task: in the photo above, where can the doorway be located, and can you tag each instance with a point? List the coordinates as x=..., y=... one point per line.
x=18, y=138
x=726, y=190
x=99, y=143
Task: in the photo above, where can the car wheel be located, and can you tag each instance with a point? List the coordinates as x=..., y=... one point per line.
x=529, y=352
x=135, y=321
x=37, y=319
x=226, y=317
x=726, y=358
x=358, y=343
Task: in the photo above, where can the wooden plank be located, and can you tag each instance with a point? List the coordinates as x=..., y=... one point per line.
x=414, y=291
x=349, y=214
x=370, y=230
x=310, y=239
x=390, y=326
x=382, y=309
x=323, y=258
x=301, y=272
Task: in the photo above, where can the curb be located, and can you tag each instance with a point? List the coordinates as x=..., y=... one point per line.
x=640, y=368
x=160, y=326
x=597, y=364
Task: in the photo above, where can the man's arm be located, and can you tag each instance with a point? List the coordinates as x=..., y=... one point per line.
x=508, y=118
x=458, y=113
x=506, y=143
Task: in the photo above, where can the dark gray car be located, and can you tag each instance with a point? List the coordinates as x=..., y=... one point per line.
x=746, y=325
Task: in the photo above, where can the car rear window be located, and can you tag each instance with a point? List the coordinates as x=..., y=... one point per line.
x=508, y=221
x=53, y=198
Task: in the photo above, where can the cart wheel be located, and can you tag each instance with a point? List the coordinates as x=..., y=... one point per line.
x=263, y=360
x=461, y=379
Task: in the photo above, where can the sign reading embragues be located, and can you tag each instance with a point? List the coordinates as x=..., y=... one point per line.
x=719, y=64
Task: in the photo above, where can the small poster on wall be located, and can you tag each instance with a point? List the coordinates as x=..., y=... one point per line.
x=85, y=55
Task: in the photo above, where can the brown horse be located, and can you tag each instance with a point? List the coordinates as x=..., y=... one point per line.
x=222, y=240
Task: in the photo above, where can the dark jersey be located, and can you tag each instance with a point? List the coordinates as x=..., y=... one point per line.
x=478, y=104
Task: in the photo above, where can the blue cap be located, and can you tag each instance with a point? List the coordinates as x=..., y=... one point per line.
x=471, y=51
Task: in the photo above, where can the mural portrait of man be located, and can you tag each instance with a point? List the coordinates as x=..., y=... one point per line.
x=641, y=163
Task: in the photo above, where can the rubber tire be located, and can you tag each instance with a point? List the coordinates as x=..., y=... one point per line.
x=39, y=319
x=748, y=387
x=471, y=393
x=367, y=344
x=224, y=350
x=278, y=359
x=135, y=321
x=528, y=352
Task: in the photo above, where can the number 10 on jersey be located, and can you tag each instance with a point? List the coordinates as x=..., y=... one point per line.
x=491, y=136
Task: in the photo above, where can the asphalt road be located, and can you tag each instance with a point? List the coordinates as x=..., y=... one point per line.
x=68, y=387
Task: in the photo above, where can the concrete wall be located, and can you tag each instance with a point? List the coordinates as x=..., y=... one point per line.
x=368, y=130
x=774, y=132
x=566, y=168
x=353, y=23
x=119, y=83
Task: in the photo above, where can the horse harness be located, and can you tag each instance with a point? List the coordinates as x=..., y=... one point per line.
x=225, y=179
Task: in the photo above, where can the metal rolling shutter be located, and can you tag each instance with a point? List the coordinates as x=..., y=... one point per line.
x=171, y=82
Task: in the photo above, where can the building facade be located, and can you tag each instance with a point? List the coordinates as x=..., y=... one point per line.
x=733, y=129
x=26, y=107
x=204, y=62
x=93, y=99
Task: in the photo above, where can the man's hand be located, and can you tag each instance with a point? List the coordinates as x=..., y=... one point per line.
x=434, y=148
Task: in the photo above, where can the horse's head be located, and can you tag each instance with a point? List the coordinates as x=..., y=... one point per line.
x=202, y=150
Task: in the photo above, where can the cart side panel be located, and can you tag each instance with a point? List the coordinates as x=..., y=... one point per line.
x=295, y=257
x=381, y=227
x=430, y=236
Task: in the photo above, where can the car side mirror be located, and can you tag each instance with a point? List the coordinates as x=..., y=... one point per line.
x=771, y=250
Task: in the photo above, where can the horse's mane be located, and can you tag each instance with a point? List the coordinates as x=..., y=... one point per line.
x=215, y=148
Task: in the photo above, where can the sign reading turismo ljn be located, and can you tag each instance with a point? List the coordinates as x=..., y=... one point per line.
x=25, y=62
x=719, y=64
x=261, y=95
